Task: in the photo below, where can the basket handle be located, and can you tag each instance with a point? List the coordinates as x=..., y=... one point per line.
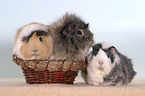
x=71, y=65
x=62, y=65
x=83, y=63
x=36, y=64
x=47, y=65
x=17, y=60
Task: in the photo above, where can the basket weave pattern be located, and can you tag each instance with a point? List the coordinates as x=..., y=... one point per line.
x=42, y=71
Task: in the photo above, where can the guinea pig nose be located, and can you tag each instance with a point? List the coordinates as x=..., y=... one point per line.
x=100, y=63
x=34, y=50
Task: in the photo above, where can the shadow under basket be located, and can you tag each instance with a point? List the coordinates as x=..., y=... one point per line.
x=60, y=73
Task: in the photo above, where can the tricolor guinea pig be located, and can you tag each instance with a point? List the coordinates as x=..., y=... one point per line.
x=106, y=66
x=33, y=41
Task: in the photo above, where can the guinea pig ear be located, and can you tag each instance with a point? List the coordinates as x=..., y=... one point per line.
x=26, y=39
x=64, y=32
x=96, y=48
x=86, y=25
x=112, y=49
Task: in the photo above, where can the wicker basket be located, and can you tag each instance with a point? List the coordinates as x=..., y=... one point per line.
x=52, y=71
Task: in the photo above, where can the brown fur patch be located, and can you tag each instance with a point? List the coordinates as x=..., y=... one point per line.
x=44, y=47
x=20, y=30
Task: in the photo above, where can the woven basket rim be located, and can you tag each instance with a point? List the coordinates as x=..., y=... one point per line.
x=14, y=55
x=23, y=64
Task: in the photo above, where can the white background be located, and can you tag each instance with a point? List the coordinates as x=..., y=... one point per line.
x=118, y=22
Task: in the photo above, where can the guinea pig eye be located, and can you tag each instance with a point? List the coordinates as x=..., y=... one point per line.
x=40, y=38
x=79, y=33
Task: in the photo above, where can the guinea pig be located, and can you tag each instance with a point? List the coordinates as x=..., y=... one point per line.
x=33, y=41
x=106, y=66
x=71, y=38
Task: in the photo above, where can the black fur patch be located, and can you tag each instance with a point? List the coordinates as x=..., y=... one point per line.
x=109, y=54
x=38, y=32
x=41, y=33
x=107, y=51
x=96, y=48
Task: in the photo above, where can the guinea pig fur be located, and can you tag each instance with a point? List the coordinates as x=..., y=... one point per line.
x=106, y=66
x=122, y=73
x=71, y=38
x=99, y=64
x=33, y=41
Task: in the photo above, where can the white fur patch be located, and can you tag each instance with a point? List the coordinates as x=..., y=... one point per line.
x=26, y=31
x=95, y=75
x=117, y=58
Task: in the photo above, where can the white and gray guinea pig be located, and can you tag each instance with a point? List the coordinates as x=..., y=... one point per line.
x=33, y=41
x=106, y=66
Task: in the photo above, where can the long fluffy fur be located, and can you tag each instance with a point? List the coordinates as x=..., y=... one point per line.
x=65, y=46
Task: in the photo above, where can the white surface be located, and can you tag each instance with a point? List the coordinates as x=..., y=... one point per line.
x=118, y=22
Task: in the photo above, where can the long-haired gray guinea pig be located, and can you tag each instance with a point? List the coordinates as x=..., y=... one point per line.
x=106, y=66
x=33, y=41
x=71, y=38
